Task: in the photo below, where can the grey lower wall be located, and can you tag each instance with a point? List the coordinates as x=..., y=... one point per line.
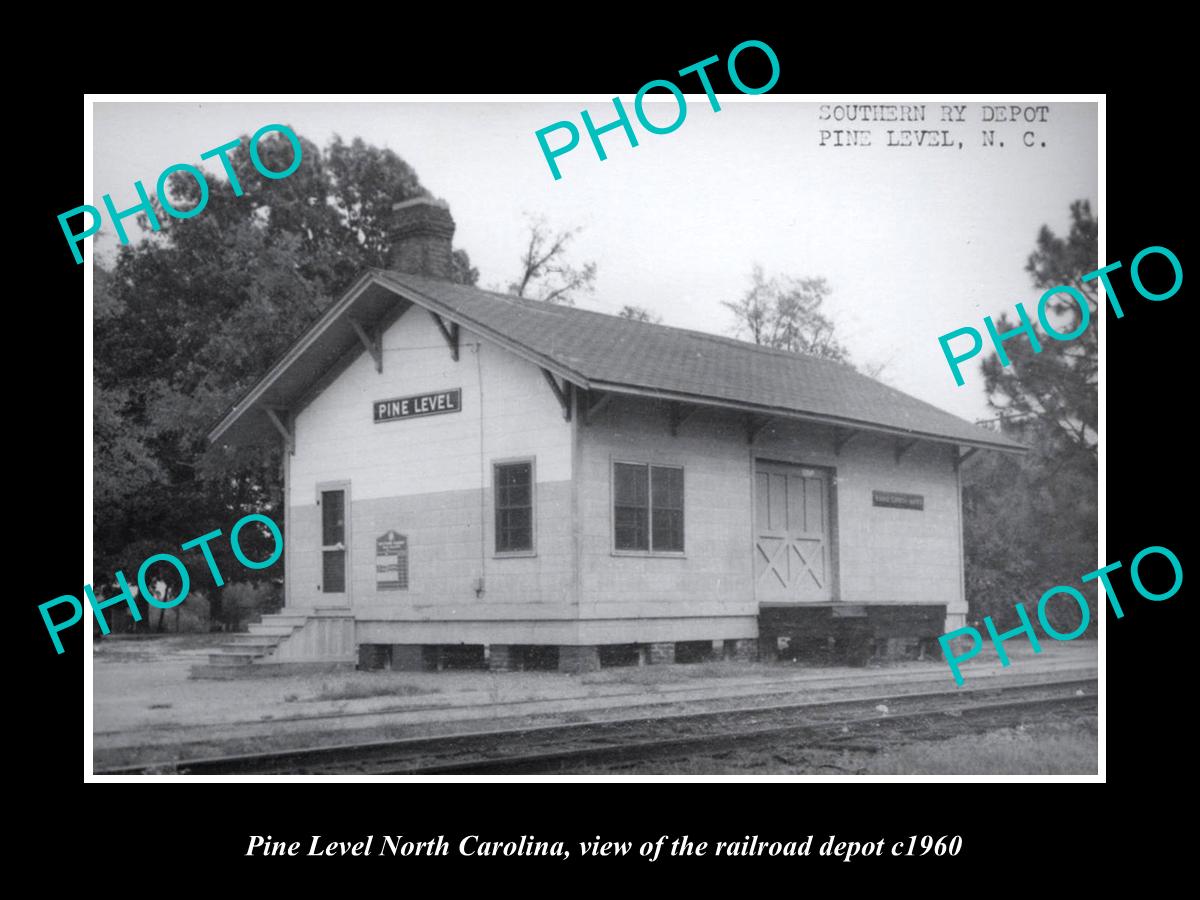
x=450, y=547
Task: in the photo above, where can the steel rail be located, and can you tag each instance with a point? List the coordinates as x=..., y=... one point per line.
x=602, y=739
x=645, y=751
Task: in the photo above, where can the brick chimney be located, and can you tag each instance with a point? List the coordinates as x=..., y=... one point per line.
x=421, y=231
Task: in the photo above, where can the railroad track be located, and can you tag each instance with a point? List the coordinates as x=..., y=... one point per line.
x=628, y=741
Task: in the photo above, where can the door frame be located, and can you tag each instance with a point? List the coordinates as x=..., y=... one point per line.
x=835, y=580
x=348, y=537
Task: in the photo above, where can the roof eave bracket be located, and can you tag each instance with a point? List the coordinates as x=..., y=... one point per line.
x=561, y=392
x=449, y=332
x=280, y=419
x=596, y=402
x=903, y=447
x=843, y=436
x=755, y=424
x=678, y=414
x=961, y=458
x=372, y=342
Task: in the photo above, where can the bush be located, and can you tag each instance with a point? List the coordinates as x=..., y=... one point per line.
x=191, y=616
x=243, y=602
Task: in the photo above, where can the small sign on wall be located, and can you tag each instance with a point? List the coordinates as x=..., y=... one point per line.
x=896, y=500
x=391, y=562
x=418, y=405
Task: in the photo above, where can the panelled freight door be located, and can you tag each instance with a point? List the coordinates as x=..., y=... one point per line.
x=792, y=558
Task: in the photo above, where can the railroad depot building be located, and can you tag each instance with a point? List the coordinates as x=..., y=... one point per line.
x=472, y=478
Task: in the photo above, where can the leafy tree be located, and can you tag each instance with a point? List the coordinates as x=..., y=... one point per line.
x=123, y=462
x=1058, y=386
x=1030, y=522
x=785, y=313
x=545, y=272
x=639, y=314
x=188, y=318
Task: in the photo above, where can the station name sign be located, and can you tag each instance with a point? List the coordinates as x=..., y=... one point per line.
x=418, y=405
x=897, y=501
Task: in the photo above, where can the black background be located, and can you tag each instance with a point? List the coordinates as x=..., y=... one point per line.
x=201, y=834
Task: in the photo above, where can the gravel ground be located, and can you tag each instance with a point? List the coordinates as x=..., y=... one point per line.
x=1042, y=745
x=143, y=697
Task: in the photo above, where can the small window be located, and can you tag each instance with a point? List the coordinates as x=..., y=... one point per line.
x=333, y=542
x=647, y=508
x=514, y=507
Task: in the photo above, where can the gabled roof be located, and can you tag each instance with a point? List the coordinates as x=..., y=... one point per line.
x=607, y=353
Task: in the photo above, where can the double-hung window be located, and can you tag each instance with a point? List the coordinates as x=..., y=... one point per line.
x=647, y=508
x=513, y=483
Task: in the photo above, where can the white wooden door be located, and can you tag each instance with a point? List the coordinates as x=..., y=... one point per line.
x=792, y=559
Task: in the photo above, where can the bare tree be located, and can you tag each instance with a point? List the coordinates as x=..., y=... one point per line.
x=877, y=368
x=639, y=314
x=546, y=273
x=785, y=313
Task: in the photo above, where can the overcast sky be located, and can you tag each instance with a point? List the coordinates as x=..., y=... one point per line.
x=914, y=241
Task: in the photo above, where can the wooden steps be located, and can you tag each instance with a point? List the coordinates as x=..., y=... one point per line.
x=263, y=649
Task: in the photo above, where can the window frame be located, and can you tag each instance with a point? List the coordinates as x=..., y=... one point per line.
x=328, y=487
x=612, y=507
x=533, y=517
